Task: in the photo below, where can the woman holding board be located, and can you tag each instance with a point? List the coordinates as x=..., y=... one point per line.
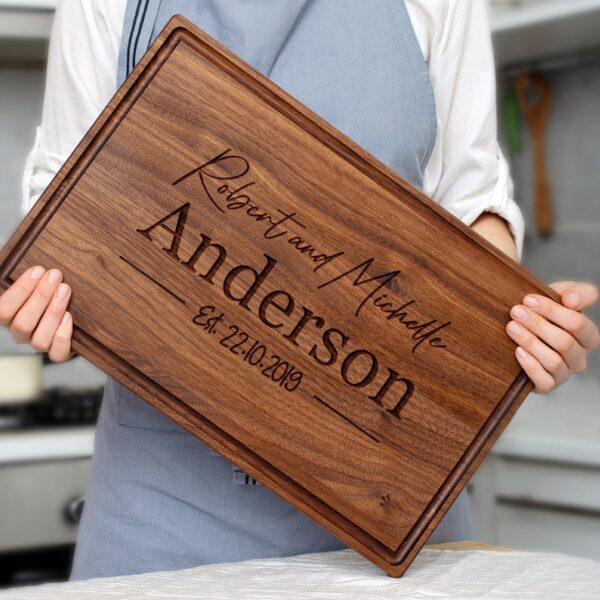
x=412, y=82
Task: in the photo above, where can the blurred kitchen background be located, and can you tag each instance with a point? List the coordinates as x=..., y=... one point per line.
x=540, y=486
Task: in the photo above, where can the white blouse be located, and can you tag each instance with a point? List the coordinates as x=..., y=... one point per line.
x=467, y=173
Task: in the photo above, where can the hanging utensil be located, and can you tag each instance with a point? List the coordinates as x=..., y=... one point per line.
x=534, y=95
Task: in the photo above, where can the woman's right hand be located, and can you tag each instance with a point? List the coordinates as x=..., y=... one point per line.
x=34, y=308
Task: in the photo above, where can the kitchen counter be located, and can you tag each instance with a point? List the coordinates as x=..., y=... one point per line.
x=39, y=445
x=344, y=574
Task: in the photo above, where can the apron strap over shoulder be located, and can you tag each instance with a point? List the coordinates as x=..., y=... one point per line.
x=138, y=24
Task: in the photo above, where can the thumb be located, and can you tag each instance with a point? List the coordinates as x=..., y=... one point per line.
x=576, y=295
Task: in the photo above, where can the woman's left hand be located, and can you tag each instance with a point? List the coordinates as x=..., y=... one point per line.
x=554, y=339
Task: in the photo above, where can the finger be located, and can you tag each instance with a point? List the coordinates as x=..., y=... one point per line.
x=557, y=338
x=577, y=295
x=60, y=349
x=17, y=294
x=542, y=380
x=29, y=315
x=41, y=340
x=575, y=323
x=562, y=286
x=551, y=360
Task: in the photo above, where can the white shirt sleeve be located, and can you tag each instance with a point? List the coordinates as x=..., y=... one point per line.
x=467, y=173
x=80, y=81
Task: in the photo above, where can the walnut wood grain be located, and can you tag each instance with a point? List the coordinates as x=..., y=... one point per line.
x=386, y=374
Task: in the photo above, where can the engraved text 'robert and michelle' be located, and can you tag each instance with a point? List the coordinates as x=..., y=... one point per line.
x=228, y=172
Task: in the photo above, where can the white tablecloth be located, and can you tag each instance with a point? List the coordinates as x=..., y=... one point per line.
x=439, y=574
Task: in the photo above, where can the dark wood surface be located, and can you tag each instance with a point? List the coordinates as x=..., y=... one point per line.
x=367, y=370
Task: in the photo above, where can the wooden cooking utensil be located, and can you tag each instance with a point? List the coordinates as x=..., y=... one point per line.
x=535, y=95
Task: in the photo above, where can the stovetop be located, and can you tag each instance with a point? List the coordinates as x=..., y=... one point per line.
x=58, y=406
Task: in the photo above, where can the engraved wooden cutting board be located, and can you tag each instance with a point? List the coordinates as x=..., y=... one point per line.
x=283, y=295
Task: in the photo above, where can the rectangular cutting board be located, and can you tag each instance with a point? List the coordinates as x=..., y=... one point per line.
x=283, y=295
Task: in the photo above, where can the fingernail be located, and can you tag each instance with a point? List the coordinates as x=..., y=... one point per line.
x=521, y=353
x=518, y=312
x=62, y=291
x=574, y=299
x=514, y=328
x=37, y=272
x=530, y=301
x=54, y=276
x=66, y=318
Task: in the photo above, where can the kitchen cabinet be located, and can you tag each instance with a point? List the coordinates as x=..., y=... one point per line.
x=26, y=19
x=43, y=475
x=539, y=488
x=39, y=503
x=537, y=505
x=531, y=30
x=25, y=27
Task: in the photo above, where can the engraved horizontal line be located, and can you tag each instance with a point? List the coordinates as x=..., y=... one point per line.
x=160, y=285
x=337, y=412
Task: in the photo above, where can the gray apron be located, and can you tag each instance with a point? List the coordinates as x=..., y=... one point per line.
x=158, y=498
